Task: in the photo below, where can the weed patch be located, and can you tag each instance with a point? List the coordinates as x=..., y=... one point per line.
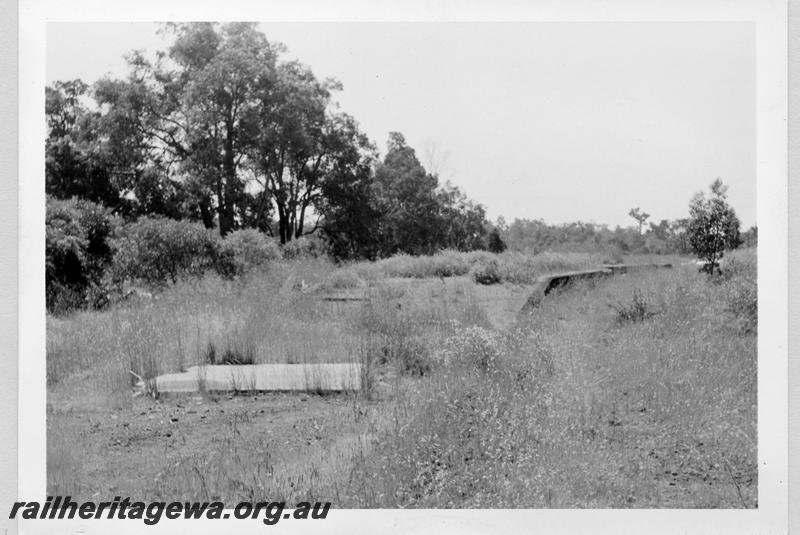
x=342, y=279
x=486, y=272
x=638, y=309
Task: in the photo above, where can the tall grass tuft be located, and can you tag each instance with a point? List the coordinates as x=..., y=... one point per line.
x=636, y=310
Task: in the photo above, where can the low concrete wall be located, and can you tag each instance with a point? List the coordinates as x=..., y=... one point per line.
x=547, y=283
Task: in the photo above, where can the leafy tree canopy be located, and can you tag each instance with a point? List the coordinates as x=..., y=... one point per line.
x=713, y=225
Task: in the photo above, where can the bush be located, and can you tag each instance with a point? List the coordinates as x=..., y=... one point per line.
x=245, y=249
x=77, y=253
x=450, y=264
x=472, y=347
x=305, y=247
x=406, y=266
x=634, y=312
x=486, y=272
x=157, y=251
x=341, y=279
x=447, y=263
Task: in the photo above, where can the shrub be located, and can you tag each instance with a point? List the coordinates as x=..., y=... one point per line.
x=341, y=279
x=472, y=347
x=450, y=264
x=406, y=266
x=634, y=312
x=158, y=251
x=77, y=253
x=305, y=247
x=474, y=257
x=446, y=263
x=486, y=272
x=245, y=249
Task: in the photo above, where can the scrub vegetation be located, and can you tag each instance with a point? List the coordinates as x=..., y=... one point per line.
x=637, y=390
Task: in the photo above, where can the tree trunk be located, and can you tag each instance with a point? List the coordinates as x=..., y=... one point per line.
x=223, y=227
x=282, y=223
x=227, y=221
x=206, y=213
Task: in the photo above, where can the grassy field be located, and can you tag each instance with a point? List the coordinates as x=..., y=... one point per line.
x=633, y=391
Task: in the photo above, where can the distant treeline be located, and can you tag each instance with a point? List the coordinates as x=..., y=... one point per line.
x=665, y=237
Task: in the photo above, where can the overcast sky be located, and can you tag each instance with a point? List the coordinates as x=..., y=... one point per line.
x=558, y=121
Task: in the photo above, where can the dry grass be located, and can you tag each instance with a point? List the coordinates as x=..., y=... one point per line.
x=261, y=317
x=513, y=267
x=569, y=407
x=655, y=413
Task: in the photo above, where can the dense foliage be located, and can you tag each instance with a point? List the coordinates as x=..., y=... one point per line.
x=219, y=128
x=160, y=250
x=246, y=249
x=713, y=226
x=93, y=257
x=77, y=253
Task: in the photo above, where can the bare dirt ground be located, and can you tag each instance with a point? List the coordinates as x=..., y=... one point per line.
x=153, y=448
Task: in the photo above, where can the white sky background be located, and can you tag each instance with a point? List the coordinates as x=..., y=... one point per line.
x=558, y=121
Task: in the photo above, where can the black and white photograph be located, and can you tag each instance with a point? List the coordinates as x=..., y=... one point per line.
x=291, y=267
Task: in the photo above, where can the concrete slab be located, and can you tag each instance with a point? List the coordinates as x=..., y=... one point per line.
x=265, y=377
